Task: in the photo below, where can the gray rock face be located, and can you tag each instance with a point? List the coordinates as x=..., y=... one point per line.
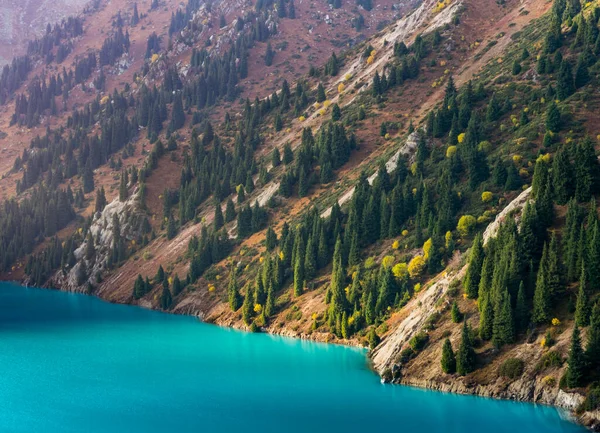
x=130, y=218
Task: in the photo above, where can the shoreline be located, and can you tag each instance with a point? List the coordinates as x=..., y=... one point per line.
x=564, y=403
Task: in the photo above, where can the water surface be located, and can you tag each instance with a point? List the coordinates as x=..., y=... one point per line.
x=72, y=363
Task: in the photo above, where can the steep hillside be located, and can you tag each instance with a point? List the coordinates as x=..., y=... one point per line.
x=417, y=177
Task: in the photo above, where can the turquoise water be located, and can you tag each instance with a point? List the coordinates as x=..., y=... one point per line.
x=72, y=363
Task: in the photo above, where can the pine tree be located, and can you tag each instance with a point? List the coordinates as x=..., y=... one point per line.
x=218, y=220
x=338, y=302
x=165, y=299
x=582, y=307
x=88, y=178
x=310, y=260
x=562, y=177
x=565, y=85
x=592, y=350
x=465, y=357
x=448, y=360
x=576, y=361
x=269, y=55
x=100, y=199
x=247, y=307
x=299, y=275
x=178, y=115
x=586, y=170
x=521, y=309
x=90, y=250
x=270, y=239
x=486, y=317
x=553, y=118
x=230, y=213
x=139, y=288
x=136, y=16
x=233, y=293
x=288, y=154
x=473, y=275
x=503, y=332
x=177, y=286
x=321, y=96
x=455, y=313
x=541, y=296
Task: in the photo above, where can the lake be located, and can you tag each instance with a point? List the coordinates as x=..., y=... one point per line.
x=73, y=363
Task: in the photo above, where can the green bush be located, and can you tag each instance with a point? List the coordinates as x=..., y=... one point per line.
x=418, y=342
x=512, y=368
x=406, y=355
x=592, y=400
x=549, y=360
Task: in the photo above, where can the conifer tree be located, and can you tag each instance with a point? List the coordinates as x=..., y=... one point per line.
x=486, y=317
x=270, y=239
x=541, y=297
x=177, y=286
x=338, y=302
x=299, y=274
x=586, y=170
x=503, y=332
x=582, y=307
x=310, y=260
x=100, y=199
x=562, y=177
x=521, y=309
x=165, y=299
x=139, y=288
x=455, y=313
x=230, y=213
x=448, y=360
x=473, y=275
x=592, y=350
x=218, y=220
x=247, y=307
x=553, y=118
x=576, y=361
x=321, y=96
x=233, y=294
x=465, y=357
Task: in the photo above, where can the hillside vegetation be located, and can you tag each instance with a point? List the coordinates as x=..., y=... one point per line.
x=427, y=190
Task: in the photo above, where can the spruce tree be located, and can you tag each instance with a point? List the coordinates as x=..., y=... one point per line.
x=455, y=313
x=165, y=299
x=247, y=307
x=299, y=275
x=473, y=275
x=553, y=118
x=503, y=332
x=465, y=357
x=448, y=360
x=592, y=350
x=233, y=294
x=218, y=220
x=576, y=361
x=582, y=307
x=321, y=96
x=541, y=296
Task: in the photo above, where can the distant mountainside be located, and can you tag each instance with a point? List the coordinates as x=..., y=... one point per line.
x=416, y=176
x=23, y=20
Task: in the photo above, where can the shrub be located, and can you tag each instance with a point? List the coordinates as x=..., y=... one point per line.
x=486, y=196
x=400, y=271
x=418, y=342
x=592, y=401
x=406, y=355
x=551, y=359
x=512, y=368
x=465, y=226
x=416, y=266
